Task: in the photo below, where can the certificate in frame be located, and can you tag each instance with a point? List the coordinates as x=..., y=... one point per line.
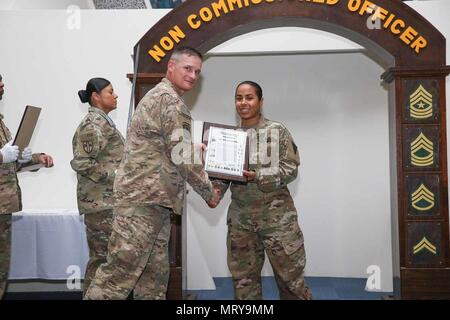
x=228, y=151
x=26, y=127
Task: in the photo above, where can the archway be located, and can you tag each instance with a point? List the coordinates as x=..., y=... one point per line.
x=415, y=53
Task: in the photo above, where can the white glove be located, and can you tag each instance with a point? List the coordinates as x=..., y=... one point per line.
x=9, y=152
x=26, y=155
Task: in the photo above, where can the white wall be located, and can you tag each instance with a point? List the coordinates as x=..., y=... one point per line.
x=344, y=215
x=44, y=64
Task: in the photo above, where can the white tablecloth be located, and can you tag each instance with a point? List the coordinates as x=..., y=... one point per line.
x=48, y=245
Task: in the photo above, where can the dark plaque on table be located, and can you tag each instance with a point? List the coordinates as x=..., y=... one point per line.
x=227, y=153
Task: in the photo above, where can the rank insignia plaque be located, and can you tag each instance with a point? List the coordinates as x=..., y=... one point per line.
x=227, y=152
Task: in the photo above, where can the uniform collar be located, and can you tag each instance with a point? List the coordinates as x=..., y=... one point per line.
x=261, y=124
x=103, y=114
x=170, y=86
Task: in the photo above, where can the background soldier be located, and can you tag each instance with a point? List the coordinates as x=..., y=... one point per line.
x=262, y=215
x=97, y=149
x=150, y=185
x=10, y=194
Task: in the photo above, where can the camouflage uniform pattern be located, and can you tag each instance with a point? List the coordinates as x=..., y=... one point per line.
x=10, y=201
x=5, y=250
x=148, y=174
x=98, y=230
x=137, y=256
x=149, y=187
x=97, y=148
x=10, y=193
x=262, y=218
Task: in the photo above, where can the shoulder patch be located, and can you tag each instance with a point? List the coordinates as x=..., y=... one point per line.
x=88, y=146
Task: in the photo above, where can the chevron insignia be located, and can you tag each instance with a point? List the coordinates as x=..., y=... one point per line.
x=424, y=244
x=422, y=199
x=421, y=103
x=422, y=151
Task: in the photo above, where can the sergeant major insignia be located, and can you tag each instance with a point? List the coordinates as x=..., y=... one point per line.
x=421, y=103
x=88, y=146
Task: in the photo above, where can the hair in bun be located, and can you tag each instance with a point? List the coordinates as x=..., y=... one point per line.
x=93, y=85
x=83, y=96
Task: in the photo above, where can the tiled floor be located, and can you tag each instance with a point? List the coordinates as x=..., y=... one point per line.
x=323, y=288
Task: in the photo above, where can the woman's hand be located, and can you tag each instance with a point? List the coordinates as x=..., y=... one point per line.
x=249, y=174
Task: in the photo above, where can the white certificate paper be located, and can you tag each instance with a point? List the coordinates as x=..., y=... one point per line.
x=226, y=151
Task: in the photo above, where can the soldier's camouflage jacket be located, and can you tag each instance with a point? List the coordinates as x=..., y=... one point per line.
x=97, y=149
x=10, y=193
x=149, y=174
x=275, y=159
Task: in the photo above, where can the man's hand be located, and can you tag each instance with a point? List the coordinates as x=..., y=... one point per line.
x=9, y=152
x=46, y=160
x=199, y=152
x=249, y=174
x=215, y=199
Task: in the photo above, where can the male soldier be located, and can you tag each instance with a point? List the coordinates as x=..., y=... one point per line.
x=262, y=215
x=10, y=195
x=150, y=185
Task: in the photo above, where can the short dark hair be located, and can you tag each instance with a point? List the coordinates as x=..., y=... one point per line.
x=185, y=50
x=257, y=87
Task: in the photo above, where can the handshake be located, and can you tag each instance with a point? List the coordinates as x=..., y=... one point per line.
x=215, y=198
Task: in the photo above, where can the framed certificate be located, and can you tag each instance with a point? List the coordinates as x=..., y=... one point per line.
x=26, y=127
x=227, y=153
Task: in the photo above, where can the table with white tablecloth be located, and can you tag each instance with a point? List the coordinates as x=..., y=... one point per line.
x=48, y=244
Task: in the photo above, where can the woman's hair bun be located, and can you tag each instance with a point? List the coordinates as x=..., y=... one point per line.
x=93, y=85
x=83, y=96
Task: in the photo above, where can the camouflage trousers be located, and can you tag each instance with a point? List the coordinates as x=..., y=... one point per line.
x=281, y=238
x=138, y=257
x=5, y=250
x=98, y=230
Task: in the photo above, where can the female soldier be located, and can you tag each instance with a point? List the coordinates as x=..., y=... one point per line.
x=97, y=150
x=262, y=216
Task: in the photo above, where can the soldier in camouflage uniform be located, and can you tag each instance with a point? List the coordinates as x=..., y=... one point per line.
x=262, y=215
x=150, y=186
x=97, y=149
x=10, y=194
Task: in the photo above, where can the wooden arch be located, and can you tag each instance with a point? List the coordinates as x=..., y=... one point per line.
x=413, y=51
